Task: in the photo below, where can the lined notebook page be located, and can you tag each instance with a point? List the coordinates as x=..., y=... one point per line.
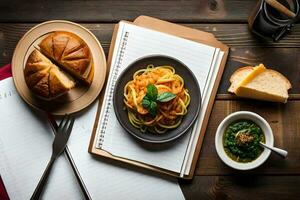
x=25, y=148
x=132, y=43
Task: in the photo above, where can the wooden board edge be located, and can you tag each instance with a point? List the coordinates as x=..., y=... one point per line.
x=107, y=155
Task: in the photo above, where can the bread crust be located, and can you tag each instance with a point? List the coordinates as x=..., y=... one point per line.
x=238, y=74
x=71, y=53
x=238, y=71
x=283, y=78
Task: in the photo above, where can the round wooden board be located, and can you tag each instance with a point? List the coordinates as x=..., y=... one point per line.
x=77, y=98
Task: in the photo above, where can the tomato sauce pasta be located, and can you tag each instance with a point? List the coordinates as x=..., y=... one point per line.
x=169, y=114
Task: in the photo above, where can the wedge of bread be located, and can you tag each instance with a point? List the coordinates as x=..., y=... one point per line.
x=260, y=83
x=44, y=78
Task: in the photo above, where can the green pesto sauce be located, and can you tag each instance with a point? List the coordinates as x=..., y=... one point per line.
x=241, y=141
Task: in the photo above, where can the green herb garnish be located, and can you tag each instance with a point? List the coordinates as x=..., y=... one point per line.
x=165, y=97
x=153, y=108
x=146, y=102
x=151, y=98
x=151, y=92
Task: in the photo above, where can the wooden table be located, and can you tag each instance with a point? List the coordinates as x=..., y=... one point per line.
x=277, y=178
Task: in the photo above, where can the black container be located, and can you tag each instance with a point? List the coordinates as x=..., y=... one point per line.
x=267, y=22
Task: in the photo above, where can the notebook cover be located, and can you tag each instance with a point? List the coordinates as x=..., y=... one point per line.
x=179, y=31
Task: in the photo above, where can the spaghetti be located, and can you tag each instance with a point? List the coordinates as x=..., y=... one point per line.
x=169, y=114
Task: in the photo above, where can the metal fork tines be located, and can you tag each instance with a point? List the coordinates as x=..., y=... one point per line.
x=59, y=144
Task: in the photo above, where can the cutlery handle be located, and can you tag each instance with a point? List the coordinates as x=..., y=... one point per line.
x=280, y=152
x=39, y=188
x=78, y=177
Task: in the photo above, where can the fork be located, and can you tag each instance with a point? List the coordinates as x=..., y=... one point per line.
x=82, y=185
x=59, y=144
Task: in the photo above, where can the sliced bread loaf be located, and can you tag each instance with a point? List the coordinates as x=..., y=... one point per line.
x=260, y=83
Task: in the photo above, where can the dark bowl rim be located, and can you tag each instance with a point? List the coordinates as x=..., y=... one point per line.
x=193, y=118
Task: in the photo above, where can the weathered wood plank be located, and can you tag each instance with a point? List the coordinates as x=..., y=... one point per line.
x=242, y=187
x=234, y=35
x=113, y=11
x=285, y=123
x=245, y=48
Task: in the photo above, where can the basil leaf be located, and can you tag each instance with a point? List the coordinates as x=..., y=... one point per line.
x=165, y=97
x=153, y=108
x=146, y=102
x=151, y=92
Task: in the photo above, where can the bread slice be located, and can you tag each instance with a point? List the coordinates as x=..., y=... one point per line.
x=44, y=78
x=260, y=83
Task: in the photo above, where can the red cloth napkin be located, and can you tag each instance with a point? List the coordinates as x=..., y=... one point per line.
x=5, y=72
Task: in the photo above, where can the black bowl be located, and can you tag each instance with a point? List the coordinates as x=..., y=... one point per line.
x=190, y=82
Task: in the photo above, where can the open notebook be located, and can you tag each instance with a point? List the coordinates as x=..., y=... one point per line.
x=26, y=145
x=131, y=43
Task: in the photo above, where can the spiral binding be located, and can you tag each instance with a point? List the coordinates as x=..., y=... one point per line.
x=112, y=83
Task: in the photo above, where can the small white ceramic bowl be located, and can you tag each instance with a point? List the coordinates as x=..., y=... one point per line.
x=261, y=122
